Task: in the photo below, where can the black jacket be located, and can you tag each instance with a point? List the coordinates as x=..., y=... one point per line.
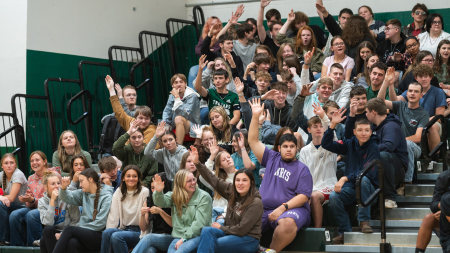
x=280, y=117
x=386, y=49
x=442, y=186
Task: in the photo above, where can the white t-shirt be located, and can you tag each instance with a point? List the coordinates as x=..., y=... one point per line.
x=17, y=177
x=426, y=43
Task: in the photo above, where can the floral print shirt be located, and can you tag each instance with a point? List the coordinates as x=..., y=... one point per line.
x=36, y=186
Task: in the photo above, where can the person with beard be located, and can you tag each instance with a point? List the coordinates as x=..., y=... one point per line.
x=377, y=74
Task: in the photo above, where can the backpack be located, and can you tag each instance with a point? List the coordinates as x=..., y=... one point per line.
x=111, y=131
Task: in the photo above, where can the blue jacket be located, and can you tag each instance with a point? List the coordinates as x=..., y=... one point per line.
x=357, y=156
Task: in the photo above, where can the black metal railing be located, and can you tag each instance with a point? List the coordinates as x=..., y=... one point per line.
x=441, y=148
x=18, y=146
x=7, y=144
x=121, y=59
x=377, y=194
x=141, y=78
x=86, y=116
x=199, y=18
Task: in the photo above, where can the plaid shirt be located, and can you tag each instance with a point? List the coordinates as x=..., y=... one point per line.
x=406, y=61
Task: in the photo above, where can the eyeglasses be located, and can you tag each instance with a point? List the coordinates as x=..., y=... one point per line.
x=387, y=29
x=429, y=61
x=412, y=45
x=437, y=22
x=420, y=13
x=338, y=44
x=131, y=95
x=194, y=180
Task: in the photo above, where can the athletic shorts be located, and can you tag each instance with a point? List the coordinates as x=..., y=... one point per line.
x=300, y=215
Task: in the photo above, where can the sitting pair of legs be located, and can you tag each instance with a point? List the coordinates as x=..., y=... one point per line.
x=25, y=226
x=120, y=240
x=215, y=240
x=429, y=223
x=5, y=212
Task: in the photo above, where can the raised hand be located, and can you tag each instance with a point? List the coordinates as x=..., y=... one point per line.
x=211, y=64
x=390, y=75
x=119, y=90
x=160, y=129
x=353, y=107
x=338, y=116
x=201, y=62
x=256, y=106
x=306, y=90
x=268, y=115
x=262, y=118
x=109, y=82
x=270, y=95
x=293, y=71
x=291, y=16
x=175, y=92
x=318, y=110
x=397, y=57
x=134, y=126
x=264, y=3
x=65, y=182
x=235, y=16
x=215, y=29
x=308, y=56
x=241, y=141
x=197, y=129
x=213, y=148
x=239, y=85
x=193, y=153
x=321, y=8
x=230, y=60
x=158, y=183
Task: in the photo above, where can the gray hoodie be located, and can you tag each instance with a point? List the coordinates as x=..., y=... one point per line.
x=170, y=161
x=86, y=200
x=60, y=216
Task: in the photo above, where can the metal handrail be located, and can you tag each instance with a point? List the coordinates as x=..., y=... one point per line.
x=198, y=9
x=87, y=115
x=378, y=193
x=111, y=61
x=424, y=140
x=20, y=150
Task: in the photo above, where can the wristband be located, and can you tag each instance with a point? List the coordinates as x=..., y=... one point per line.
x=184, y=240
x=240, y=94
x=243, y=149
x=307, y=64
x=286, y=206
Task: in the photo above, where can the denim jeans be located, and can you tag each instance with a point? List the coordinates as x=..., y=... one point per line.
x=192, y=75
x=5, y=212
x=187, y=247
x=217, y=211
x=347, y=196
x=414, y=151
x=204, y=115
x=152, y=243
x=120, y=240
x=394, y=174
x=317, y=76
x=215, y=240
x=25, y=226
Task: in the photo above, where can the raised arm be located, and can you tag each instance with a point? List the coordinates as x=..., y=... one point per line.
x=233, y=20
x=329, y=21
x=256, y=146
x=388, y=82
x=150, y=150
x=297, y=113
x=198, y=83
x=320, y=2
x=290, y=18
x=248, y=164
x=260, y=21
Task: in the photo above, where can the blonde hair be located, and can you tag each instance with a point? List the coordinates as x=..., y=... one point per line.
x=180, y=196
x=219, y=172
x=10, y=155
x=62, y=156
x=49, y=174
x=226, y=137
x=227, y=67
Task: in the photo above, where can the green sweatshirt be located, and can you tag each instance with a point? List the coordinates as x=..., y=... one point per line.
x=126, y=154
x=197, y=214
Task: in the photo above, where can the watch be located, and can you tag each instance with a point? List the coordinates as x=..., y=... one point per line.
x=286, y=206
x=184, y=240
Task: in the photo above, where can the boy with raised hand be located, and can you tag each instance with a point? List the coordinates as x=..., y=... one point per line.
x=182, y=109
x=286, y=188
x=322, y=165
x=262, y=81
x=127, y=98
x=219, y=96
x=360, y=149
x=261, y=63
x=268, y=39
x=143, y=114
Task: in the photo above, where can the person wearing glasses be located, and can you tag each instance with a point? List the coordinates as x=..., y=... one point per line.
x=127, y=98
x=339, y=48
x=405, y=60
x=394, y=43
x=435, y=33
x=424, y=57
x=419, y=14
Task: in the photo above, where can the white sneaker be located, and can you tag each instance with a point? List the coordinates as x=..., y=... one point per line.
x=37, y=243
x=390, y=204
x=430, y=166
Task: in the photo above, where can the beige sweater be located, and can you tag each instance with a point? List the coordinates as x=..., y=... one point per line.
x=128, y=211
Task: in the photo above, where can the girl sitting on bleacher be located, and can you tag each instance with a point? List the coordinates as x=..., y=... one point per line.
x=220, y=124
x=55, y=214
x=77, y=165
x=68, y=146
x=243, y=157
x=14, y=184
x=29, y=215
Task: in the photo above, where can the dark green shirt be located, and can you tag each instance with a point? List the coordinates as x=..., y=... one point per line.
x=229, y=101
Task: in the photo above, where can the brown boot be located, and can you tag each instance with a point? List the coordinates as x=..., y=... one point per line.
x=339, y=239
x=365, y=228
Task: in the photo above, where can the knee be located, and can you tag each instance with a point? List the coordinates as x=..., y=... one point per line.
x=316, y=197
x=179, y=120
x=116, y=237
x=287, y=225
x=428, y=220
x=434, y=128
x=334, y=196
x=48, y=230
x=73, y=243
x=365, y=182
x=207, y=230
x=384, y=155
x=107, y=234
x=14, y=216
x=32, y=216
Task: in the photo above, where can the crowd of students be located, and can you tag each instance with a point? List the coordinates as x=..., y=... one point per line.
x=283, y=120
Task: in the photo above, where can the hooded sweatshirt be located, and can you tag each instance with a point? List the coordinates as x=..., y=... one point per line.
x=386, y=48
x=60, y=216
x=282, y=116
x=171, y=161
x=237, y=222
x=126, y=154
x=86, y=200
x=188, y=107
x=357, y=156
x=341, y=95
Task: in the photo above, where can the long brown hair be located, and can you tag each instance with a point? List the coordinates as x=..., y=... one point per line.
x=266, y=48
x=183, y=165
x=180, y=196
x=366, y=73
x=355, y=30
x=227, y=67
x=419, y=57
x=359, y=60
x=219, y=172
x=280, y=54
x=123, y=186
x=207, y=27
x=437, y=67
x=42, y=155
x=235, y=197
x=85, y=163
x=278, y=136
x=62, y=156
x=226, y=136
x=245, y=135
x=10, y=155
x=292, y=61
x=91, y=173
x=299, y=42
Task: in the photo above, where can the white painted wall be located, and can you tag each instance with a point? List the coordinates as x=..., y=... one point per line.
x=223, y=11
x=13, y=49
x=89, y=28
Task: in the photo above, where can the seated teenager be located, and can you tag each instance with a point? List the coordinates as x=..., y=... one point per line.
x=322, y=165
x=364, y=50
x=68, y=146
x=261, y=63
x=287, y=49
x=29, y=216
x=127, y=98
x=354, y=32
x=109, y=172
x=357, y=108
x=270, y=39
x=187, y=164
x=54, y=214
x=272, y=16
x=244, y=210
x=430, y=222
x=122, y=227
x=191, y=210
x=171, y=153
x=363, y=79
x=133, y=153
x=424, y=57
x=413, y=119
x=419, y=14
x=243, y=156
x=96, y=202
x=377, y=73
x=376, y=26
x=406, y=59
x=214, y=43
x=205, y=139
x=262, y=81
x=339, y=48
x=301, y=20
x=442, y=65
x=219, y=96
x=182, y=109
x=322, y=92
x=291, y=78
x=77, y=165
x=221, y=127
x=360, y=149
x=433, y=100
x=286, y=188
x=143, y=113
x=14, y=184
x=304, y=41
x=394, y=43
x=266, y=50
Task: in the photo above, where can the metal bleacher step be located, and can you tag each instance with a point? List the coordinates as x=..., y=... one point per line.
x=396, y=239
x=427, y=176
x=363, y=249
x=406, y=213
x=414, y=200
x=419, y=190
x=409, y=224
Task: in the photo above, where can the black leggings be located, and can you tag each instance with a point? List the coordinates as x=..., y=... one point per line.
x=72, y=240
x=48, y=240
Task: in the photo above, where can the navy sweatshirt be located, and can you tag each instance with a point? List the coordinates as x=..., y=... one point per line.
x=357, y=156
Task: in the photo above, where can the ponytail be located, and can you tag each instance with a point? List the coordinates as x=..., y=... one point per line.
x=10, y=155
x=97, y=195
x=4, y=183
x=91, y=173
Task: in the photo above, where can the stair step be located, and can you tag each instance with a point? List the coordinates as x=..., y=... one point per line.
x=419, y=190
x=374, y=239
x=437, y=167
x=427, y=176
x=363, y=249
x=406, y=213
x=414, y=199
x=397, y=224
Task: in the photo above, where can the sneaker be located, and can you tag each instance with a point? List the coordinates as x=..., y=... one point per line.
x=262, y=249
x=401, y=190
x=339, y=239
x=4, y=243
x=431, y=166
x=37, y=243
x=390, y=204
x=365, y=227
